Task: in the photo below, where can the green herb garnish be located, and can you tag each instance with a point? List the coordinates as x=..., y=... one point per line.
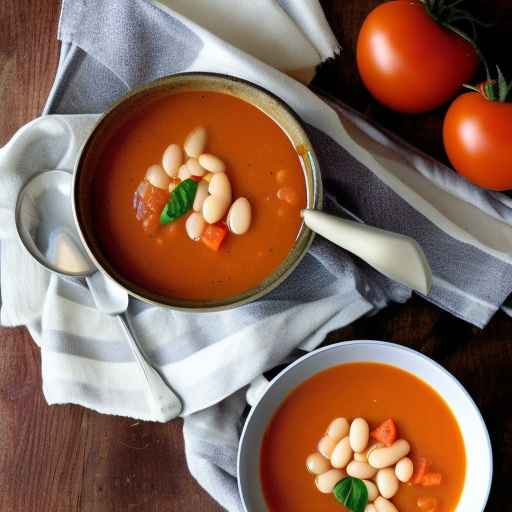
x=494, y=89
x=181, y=201
x=352, y=493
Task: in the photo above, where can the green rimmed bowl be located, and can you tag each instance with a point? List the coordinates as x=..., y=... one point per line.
x=124, y=109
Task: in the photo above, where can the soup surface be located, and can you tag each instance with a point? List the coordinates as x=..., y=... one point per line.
x=373, y=391
x=167, y=261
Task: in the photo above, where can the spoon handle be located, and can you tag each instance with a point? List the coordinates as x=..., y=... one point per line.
x=165, y=403
x=396, y=256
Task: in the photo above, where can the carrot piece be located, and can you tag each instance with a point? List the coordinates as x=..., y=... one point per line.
x=427, y=503
x=214, y=235
x=386, y=432
x=420, y=469
x=431, y=479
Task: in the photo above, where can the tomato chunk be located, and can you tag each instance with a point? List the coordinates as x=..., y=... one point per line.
x=155, y=198
x=151, y=224
x=431, y=479
x=214, y=235
x=287, y=194
x=149, y=199
x=427, y=503
x=386, y=432
x=420, y=469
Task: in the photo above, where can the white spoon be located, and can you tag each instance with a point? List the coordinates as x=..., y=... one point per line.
x=396, y=256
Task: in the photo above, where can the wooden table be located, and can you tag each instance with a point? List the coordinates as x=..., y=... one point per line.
x=67, y=458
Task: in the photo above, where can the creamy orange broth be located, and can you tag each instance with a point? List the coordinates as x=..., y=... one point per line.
x=375, y=392
x=168, y=262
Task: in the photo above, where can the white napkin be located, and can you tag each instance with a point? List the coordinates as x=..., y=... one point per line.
x=85, y=359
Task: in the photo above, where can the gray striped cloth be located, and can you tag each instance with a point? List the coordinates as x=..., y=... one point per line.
x=210, y=359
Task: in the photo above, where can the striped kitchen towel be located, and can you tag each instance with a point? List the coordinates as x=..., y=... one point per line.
x=109, y=48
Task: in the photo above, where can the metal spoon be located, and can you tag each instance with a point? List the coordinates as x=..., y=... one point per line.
x=45, y=225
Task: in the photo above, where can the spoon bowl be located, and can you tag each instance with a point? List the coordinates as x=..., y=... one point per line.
x=45, y=224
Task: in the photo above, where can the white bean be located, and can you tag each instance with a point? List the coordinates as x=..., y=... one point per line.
x=157, y=177
x=373, y=447
x=370, y=508
x=195, y=142
x=404, y=469
x=214, y=209
x=195, y=168
x=317, y=464
x=194, y=226
x=385, y=457
x=325, y=482
x=338, y=428
x=220, y=186
x=373, y=492
x=184, y=173
x=212, y=163
x=201, y=195
x=342, y=453
x=359, y=434
x=360, y=470
x=326, y=446
x=172, y=159
x=383, y=505
x=239, y=216
x=387, y=482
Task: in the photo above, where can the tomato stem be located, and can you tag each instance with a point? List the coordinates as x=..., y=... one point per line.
x=448, y=14
x=504, y=88
x=471, y=41
x=471, y=87
x=493, y=89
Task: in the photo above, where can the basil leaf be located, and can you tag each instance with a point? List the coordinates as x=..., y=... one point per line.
x=352, y=493
x=181, y=201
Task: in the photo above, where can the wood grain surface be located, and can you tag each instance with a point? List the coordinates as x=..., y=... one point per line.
x=66, y=458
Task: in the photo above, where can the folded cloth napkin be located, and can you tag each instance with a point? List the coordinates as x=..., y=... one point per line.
x=111, y=47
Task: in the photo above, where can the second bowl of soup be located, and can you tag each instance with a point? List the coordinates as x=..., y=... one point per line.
x=189, y=192
x=365, y=427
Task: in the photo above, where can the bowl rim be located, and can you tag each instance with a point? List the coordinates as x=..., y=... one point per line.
x=392, y=347
x=305, y=235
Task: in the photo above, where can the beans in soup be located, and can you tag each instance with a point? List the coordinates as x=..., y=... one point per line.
x=363, y=437
x=198, y=196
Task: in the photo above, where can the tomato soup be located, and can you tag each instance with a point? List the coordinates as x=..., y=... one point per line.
x=377, y=393
x=263, y=169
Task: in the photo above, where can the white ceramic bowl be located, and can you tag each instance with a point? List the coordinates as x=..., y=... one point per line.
x=474, y=432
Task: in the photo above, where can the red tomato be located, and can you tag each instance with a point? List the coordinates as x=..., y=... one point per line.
x=409, y=62
x=477, y=136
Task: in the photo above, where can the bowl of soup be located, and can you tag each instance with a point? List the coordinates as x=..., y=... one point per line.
x=189, y=190
x=365, y=426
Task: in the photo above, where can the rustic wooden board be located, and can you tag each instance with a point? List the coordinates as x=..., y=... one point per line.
x=67, y=458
